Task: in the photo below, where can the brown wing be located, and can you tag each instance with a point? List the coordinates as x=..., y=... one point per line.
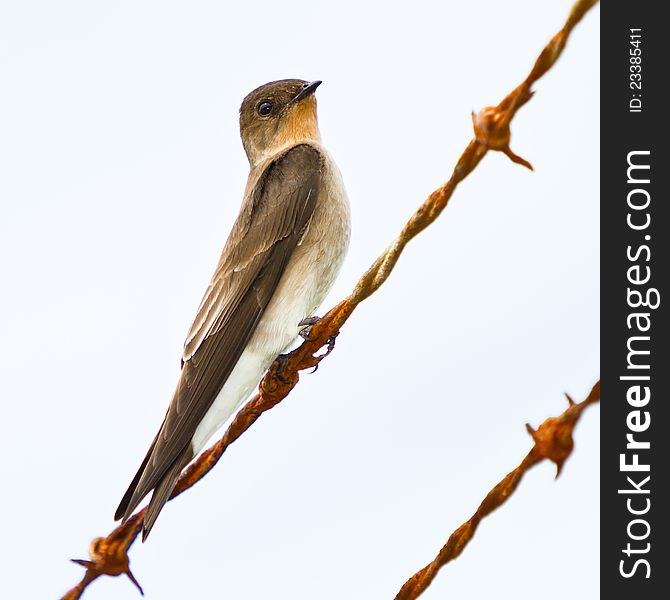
x=270, y=225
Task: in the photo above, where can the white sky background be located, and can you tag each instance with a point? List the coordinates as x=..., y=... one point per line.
x=121, y=172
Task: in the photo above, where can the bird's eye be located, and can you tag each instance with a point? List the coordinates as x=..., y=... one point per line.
x=264, y=109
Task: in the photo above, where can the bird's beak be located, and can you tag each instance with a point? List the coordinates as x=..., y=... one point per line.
x=309, y=89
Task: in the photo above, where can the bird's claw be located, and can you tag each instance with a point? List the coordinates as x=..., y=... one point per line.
x=307, y=325
x=330, y=346
x=281, y=363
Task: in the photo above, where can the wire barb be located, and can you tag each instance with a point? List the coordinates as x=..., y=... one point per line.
x=492, y=132
x=553, y=441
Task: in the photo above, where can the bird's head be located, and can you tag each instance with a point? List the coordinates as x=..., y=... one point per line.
x=276, y=115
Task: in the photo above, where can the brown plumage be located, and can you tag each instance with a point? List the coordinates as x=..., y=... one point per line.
x=285, y=186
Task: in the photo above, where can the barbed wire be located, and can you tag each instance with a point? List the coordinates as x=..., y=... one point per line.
x=553, y=441
x=109, y=555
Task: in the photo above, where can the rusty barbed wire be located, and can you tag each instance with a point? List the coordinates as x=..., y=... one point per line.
x=109, y=555
x=553, y=441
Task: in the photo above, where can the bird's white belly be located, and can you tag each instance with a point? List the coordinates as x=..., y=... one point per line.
x=237, y=388
x=277, y=330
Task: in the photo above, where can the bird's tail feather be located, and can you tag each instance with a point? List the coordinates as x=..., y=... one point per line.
x=124, y=509
x=162, y=491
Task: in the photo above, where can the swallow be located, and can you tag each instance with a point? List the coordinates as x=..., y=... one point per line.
x=281, y=258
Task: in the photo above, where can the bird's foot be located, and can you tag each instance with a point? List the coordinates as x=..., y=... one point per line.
x=281, y=363
x=307, y=325
x=330, y=346
x=305, y=332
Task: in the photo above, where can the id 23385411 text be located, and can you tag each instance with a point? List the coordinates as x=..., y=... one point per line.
x=635, y=77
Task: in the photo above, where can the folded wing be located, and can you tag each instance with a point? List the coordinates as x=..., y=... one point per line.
x=270, y=225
